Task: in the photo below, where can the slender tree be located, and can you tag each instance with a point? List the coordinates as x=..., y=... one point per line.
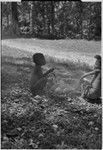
x=52, y=17
x=14, y=11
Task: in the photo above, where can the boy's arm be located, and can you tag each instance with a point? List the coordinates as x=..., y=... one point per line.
x=96, y=71
x=49, y=71
x=93, y=79
x=88, y=74
x=39, y=81
x=44, y=77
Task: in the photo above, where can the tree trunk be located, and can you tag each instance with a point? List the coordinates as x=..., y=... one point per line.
x=43, y=15
x=52, y=17
x=7, y=20
x=80, y=10
x=48, y=24
x=15, y=27
x=32, y=18
x=29, y=15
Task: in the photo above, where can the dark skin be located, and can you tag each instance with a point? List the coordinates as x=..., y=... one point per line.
x=38, y=80
x=90, y=73
x=96, y=80
x=94, y=72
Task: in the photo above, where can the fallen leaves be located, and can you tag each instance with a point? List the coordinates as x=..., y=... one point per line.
x=55, y=120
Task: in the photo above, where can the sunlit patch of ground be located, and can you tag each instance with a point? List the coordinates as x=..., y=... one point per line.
x=74, y=50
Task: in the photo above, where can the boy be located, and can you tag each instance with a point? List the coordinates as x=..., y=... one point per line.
x=38, y=79
x=93, y=92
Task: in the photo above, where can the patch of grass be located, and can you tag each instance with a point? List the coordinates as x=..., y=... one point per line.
x=73, y=50
x=69, y=65
x=84, y=46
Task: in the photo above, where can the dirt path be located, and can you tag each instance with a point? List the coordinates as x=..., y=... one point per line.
x=51, y=49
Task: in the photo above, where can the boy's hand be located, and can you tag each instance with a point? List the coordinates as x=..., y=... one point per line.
x=90, y=84
x=81, y=79
x=49, y=71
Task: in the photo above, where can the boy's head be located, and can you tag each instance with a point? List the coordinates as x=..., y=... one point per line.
x=39, y=59
x=98, y=62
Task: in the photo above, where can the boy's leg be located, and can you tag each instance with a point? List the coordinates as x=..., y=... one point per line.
x=92, y=94
x=85, y=86
x=40, y=88
x=85, y=92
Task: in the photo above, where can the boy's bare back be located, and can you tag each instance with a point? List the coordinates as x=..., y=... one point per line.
x=38, y=79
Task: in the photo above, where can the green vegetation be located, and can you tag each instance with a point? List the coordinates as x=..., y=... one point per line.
x=52, y=20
